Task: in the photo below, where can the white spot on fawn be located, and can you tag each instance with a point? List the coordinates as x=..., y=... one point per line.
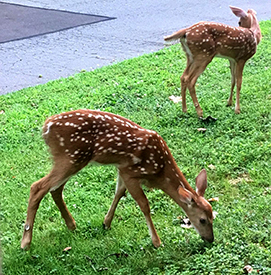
x=48, y=127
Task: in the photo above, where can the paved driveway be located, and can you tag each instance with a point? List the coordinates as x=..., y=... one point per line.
x=138, y=29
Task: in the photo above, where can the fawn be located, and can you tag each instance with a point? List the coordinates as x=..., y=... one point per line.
x=205, y=40
x=141, y=156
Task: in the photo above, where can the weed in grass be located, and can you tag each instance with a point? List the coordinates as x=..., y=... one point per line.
x=236, y=151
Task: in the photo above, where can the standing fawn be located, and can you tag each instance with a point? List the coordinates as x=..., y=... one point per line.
x=205, y=40
x=77, y=138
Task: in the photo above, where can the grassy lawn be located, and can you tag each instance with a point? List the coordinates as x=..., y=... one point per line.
x=235, y=150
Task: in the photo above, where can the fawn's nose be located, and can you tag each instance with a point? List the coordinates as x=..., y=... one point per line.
x=209, y=239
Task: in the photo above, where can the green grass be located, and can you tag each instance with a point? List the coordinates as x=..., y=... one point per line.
x=237, y=146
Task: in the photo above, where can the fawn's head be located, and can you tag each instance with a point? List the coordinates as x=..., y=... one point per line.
x=248, y=20
x=198, y=209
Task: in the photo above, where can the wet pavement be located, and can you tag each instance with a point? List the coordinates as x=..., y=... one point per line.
x=139, y=28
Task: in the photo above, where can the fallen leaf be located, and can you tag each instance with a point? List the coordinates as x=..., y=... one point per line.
x=267, y=190
x=103, y=268
x=202, y=129
x=208, y=119
x=186, y=224
x=211, y=166
x=248, y=269
x=215, y=214
x=67, y=249
x=242, y=177
x=213, y=199
x=175, y=99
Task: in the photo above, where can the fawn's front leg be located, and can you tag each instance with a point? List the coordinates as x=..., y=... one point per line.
x=120, y=192
x=134, y=188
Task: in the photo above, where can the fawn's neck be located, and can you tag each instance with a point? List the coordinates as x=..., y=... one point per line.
x=255, y=28
x=174, y=174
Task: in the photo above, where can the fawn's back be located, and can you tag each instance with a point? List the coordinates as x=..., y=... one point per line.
x=221, y=40
x=85, y=136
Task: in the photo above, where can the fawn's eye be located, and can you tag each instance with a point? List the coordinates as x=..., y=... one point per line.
x=202, y=221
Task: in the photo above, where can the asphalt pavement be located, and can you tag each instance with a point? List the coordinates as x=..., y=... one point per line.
x=139, y=28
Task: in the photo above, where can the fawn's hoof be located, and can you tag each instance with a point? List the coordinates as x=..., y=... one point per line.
x=71, y=226
x=200, y=113
x=229, y=103
x=25, y=245
x=106, y=227
x=156, y=244
x=237, y=111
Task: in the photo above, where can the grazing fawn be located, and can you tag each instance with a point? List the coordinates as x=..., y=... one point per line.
x=77, y=138
x=205, y=40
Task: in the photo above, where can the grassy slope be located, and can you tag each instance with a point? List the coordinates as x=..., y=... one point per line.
x=238, y=146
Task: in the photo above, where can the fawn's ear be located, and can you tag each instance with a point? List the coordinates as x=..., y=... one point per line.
x=185, y=195
x=238, y=12
x=252, y=11
x=201, y=182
